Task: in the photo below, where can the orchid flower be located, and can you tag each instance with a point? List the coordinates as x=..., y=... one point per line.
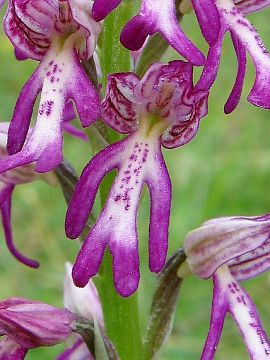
x=29, y=324
x=245, y=39
x=230, y=250
x=58, y=34
x=10, y=350
x=8, y=181
x=22, y=175
x=84, y=302
x=154, y=16
x=160, y=109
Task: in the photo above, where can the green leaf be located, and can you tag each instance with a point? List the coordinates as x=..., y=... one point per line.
x=164, y=305
x=104, y=349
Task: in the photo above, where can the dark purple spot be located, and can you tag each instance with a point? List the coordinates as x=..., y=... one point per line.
x=126, y=179
x=46, y=107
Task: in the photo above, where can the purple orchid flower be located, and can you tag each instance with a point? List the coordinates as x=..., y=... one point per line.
x=160, y=109
x=22, y=175
x=8, y=181
x=29, y=324
x=10, y=350
x=230, y=250
x=58, y=34
x=84, y=302
x=154, y=16
x=245, y=39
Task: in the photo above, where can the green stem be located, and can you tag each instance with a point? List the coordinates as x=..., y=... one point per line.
x=113, y=56
x=121, y=315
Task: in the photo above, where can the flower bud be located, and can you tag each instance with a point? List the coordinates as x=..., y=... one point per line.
x=31, y=324
x=82, y=301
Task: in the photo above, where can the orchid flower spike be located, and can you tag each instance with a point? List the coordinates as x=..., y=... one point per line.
x=232, y=249
x=58, y=34
x=160, y=109
x=84, y=302
x=29, y=324
x=154, y=16
x=245, y=39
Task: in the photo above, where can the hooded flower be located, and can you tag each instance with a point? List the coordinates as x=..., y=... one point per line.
x=29, y=324
x=58, y=34
x=230, y=250
x=160, y=109
x=245, y=39
x=84, y=302
x=154, y=16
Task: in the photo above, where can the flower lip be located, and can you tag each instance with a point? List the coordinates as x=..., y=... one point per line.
x=139, y=161
x=102, y=8
x=159, y=16
x=229, y=297
x=245, y=39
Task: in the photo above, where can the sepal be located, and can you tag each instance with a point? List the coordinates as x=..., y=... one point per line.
x=222, y=240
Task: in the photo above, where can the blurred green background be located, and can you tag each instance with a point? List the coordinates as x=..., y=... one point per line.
x=223, y=171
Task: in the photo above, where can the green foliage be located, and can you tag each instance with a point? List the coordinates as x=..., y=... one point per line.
x=223, y=171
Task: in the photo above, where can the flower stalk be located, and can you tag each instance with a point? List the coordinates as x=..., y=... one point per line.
x=121, y=315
